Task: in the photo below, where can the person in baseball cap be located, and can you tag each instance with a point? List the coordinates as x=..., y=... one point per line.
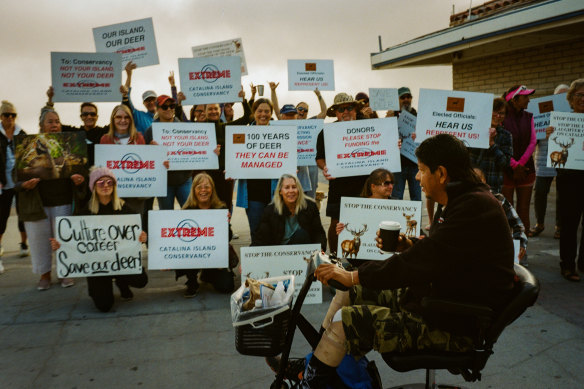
x=288, y=112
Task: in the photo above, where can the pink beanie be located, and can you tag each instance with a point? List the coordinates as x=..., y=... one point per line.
x=99, y=172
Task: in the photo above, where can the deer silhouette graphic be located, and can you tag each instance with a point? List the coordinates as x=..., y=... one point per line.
x=351, y=247
x=559, y=158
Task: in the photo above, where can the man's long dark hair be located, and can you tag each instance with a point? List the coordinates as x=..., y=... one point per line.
x=448, y=151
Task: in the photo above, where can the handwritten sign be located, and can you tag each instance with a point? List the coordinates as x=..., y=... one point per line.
x=228, y=48
x=139, y=169
x=272, y=261
x=406, y=125
x=358, y=147
x=542, y=107
x=382, y=99
x=98, y=245
x=311, y=74
x=78, y=77
x=307, y=133
x=362, y=216
x=189, y=145
x=260, y=151
x=134, y=40
x=465, y=115
x=566, y=144
x=188, y=239
x=210, y=79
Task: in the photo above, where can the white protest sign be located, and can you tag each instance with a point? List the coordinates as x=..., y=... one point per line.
x=271, y=261
x=465, y=115
x=406, y=125
x=189, y=145
x=358, y=147
x=98, y=245
x=260, y=151
x=516, y=249
x=210, y=79
x=362, y=216
x=79, y=77
x=566, y=144
x=311, y=74
x=382, y=99
x=541, y=109
x=134, y=40
x=307, y=132
x=228, y=48
x=139, y=169
x=188, y=239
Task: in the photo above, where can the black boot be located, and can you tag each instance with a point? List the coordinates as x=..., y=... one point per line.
x=317, y=374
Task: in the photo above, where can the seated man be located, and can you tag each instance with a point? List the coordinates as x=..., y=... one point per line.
x=468, y=257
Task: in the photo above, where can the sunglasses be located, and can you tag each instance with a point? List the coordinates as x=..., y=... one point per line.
x=386, y=183
x=350, y=108
x=167, y=107
x=302, y=109
x=405, y=97
x=92, y=114
x=105, y=182
x=9, y=115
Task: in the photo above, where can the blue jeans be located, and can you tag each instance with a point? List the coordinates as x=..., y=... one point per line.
x=408, y=173
x=181, y=192
x=254, y=211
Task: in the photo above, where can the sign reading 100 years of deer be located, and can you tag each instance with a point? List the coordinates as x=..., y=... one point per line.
x=566, y=144
x=98, y=245
x=361, y=217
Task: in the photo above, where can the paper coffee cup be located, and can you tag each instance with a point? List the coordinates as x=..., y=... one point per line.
x=260, y=90
x=389, y=234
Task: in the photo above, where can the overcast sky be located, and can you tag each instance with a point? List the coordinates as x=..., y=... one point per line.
x=272, y=32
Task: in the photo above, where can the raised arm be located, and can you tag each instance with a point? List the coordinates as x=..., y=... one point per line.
x=322, y=113
x=274, y=97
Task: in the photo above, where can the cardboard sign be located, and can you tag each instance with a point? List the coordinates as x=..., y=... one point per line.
x=406, y=125
x=139, y=169
x=79, y=77
x=98, y=245
x=566, y=144
x=362, y=216
x=189, y=145
x=50, y=156
x=272, y=261
x=188, y=239
x=358, y=147
x=542, y=107
x=307, y=132
x=383, y=99
x=228, y=48
x=466, y=115
x=311, y=74
x=134, y=40
x=260, y=151
x=210, y=79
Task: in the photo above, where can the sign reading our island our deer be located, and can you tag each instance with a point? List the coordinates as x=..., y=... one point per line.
x=566, y=144
x=361, y=217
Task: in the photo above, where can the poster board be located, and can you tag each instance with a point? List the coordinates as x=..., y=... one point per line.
x=311, y=74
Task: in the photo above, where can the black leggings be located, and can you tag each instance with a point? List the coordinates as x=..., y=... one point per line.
x=101, y=289
x=5, y=208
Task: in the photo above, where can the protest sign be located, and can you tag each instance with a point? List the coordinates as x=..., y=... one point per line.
x=79, y=77
x=228, y=48
x=465, y=115
x=357, y=147
x=189, y=145
x=542, y=107
x=134, y=40
x=188, y=239
x=406, y=125
x=139, y=169
x=306, y=133
x=98, y=245
x=210, y=79
x=382, y=99
x=49, y=156
x=260, y=151
x=362, y=216
x=311, y=74
x=272, y=261
x=566, y=144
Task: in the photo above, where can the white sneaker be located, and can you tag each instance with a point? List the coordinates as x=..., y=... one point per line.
x=235, y=236
x=1, y=267
x=23, y=250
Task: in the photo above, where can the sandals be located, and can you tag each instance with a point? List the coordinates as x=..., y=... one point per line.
x=570, y=275
x=535, y=231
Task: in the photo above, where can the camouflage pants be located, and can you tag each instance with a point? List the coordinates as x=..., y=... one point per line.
x=375, y=320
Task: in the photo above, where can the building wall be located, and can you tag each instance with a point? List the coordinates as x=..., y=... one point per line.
x=542, y=68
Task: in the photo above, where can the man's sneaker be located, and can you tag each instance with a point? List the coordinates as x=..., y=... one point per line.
x=1, y=267
x=293, y=372
x=192, y=290
x=24, y=250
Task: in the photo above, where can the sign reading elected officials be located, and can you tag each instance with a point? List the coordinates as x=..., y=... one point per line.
x=210, y=79
x=307, y=133
x=465, y=115
x=272, y=261
x=542, y=107
x=98, y=245
x=311, y=74
x=134, y=40
x=566, y=144
x=228, y=48
x=406, y=125
x=79, y=77
x=357, y=147
x=382, y=99
x=189, y=145
x=139, y=169
x=188, y=239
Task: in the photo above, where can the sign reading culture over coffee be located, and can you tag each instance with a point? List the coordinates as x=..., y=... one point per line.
x=311, y=74
x=228, y=48
x=383, y=99
x=406, y=125
x=210, y=79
